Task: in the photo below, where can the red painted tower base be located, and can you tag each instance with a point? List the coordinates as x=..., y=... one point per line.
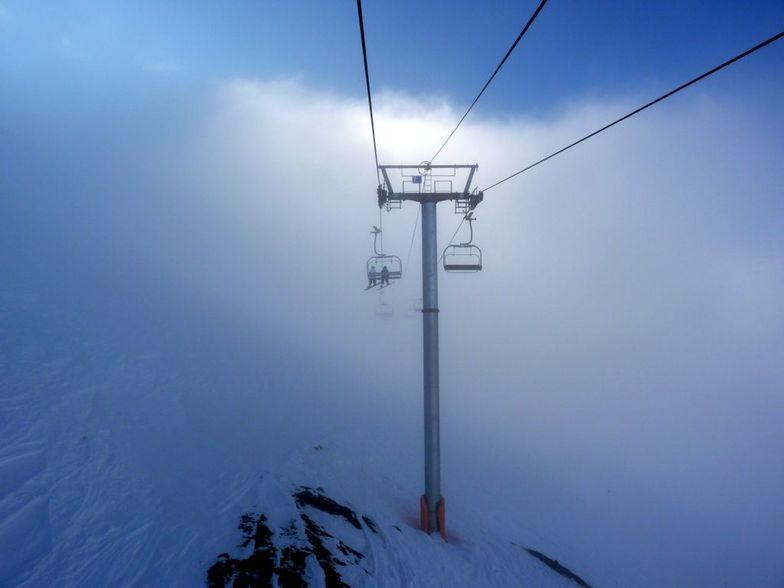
x=424, y=516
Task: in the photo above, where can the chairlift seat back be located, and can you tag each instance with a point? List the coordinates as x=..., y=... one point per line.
x=385, y=310
x=376, y=264
x=463, y=258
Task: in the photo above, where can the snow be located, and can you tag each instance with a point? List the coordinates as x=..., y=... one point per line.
x=130, y=453
x=138, y=426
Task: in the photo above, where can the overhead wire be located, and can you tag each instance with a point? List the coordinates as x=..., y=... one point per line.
x=490, y=79
x=413, y=235
x=641, y=108
x=381, y=229
x=367, y=84
x=370, y=108
x=465, y=216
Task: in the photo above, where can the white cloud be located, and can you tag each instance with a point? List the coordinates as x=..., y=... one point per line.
x=645, y=205
x=626, y=333
x=627, y=289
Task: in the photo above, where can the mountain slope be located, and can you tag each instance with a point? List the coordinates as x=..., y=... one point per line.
x=136, y=435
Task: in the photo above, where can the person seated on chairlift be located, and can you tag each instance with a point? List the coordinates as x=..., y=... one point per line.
x=384, y=276
x=372, y=277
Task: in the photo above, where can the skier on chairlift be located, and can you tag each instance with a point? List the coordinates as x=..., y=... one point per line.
x=384, y=276
x=372, y=277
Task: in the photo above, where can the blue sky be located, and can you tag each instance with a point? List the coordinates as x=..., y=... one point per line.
x=447, y=49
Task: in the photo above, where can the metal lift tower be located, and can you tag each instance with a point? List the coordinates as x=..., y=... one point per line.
x=428, y=185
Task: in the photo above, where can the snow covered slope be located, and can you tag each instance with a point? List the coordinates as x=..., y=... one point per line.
x=137, y=429
x=306, y=538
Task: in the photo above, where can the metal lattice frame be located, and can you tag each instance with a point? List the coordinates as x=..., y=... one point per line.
x=465, y=201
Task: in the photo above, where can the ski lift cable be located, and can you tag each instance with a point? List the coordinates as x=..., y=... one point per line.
x=413, y=235
x=498, y=67
x=367, y=84
x=440, y=259
x=641, y=108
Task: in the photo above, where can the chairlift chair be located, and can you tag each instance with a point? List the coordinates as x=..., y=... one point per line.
x=376, y=264
x=414, y=308
x=385, y=310
x=465, y=257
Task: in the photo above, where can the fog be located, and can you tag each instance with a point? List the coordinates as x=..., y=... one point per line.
x=619, y=360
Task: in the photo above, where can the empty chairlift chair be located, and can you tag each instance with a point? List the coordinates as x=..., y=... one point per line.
x=465, y=257
x=385, y=310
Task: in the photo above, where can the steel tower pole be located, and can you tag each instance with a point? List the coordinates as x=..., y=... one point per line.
x=432, y=510
x=432, y=515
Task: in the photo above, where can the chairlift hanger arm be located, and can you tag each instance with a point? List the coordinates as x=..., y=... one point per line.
x=470, y=218
x=375, y=231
